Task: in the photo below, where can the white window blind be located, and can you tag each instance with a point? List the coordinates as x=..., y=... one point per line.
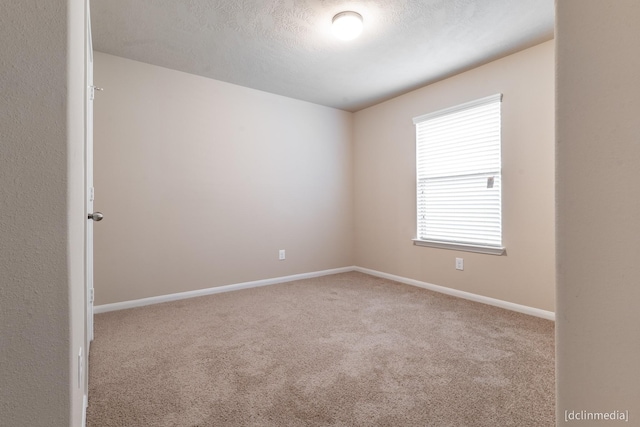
x=459, y=176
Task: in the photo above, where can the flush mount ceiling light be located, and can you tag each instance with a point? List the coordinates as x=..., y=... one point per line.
x=347, y=25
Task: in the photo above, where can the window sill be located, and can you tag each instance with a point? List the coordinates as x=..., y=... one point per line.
x=489, y=250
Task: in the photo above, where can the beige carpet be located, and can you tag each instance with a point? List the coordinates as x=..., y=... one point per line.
x=344, y=350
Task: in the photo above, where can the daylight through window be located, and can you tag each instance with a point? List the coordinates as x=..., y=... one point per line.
x=459, y=177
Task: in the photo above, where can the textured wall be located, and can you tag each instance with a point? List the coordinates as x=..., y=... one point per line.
x=202, y=182
x=598, y=220
x=37, y=276
x=385, y=183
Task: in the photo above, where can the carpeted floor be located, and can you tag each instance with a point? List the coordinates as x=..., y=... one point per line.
x=343, y=350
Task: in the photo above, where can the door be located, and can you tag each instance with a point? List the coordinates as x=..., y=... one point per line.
x=90, y=192
x=89, y=196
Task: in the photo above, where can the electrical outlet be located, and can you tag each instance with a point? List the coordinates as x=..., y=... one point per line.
x=281, y=255
x=459, y=264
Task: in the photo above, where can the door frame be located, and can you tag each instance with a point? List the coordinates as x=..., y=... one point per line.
x=89, y=194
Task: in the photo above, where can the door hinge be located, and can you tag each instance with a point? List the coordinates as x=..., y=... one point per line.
x=91, y=295
x=92, y=92
x=80, y=368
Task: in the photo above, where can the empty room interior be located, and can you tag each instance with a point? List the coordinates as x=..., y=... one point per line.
x=203, y=183
x=429, y=223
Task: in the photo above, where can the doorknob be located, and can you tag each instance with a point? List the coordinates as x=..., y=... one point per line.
x=96, y=216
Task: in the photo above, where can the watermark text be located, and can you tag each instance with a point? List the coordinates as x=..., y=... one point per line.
x=596, y=416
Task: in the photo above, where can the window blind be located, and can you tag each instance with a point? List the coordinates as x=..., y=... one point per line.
x=458, y=165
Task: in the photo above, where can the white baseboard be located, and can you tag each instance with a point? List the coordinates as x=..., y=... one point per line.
x=549, y=315
x=210, y=291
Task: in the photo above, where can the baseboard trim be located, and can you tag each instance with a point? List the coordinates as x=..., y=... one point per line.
x=549, y=315
x=104, y=308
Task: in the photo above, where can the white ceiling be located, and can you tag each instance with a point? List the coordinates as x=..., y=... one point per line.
x=286, y=46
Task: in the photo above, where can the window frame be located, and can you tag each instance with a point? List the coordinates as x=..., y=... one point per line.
x=459, y=245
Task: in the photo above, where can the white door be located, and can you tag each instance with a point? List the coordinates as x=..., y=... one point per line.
x=89, y=196
x=90, y=193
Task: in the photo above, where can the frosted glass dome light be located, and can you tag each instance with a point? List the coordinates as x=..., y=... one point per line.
x=347, y=25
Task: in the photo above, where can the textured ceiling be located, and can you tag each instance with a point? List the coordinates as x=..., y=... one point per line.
x=286, y=46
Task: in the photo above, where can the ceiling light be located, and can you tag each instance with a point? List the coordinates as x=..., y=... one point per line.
x=347, y=25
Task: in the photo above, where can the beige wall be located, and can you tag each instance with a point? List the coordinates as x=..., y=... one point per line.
x=194, y=177
x=42, y=214
x=598, y=208
x=202, y=182
x=384, y=153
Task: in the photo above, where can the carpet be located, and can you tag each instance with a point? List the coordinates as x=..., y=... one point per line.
x=343, y=350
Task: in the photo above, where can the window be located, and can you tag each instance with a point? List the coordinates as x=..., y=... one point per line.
x=458, y=167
